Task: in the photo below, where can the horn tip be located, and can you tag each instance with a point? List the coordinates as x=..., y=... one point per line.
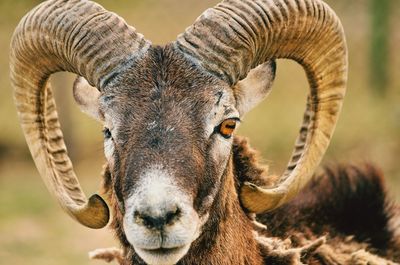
x=95, y=214
x=259, y=200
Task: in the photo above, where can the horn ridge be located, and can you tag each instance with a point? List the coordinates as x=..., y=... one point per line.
x=247, y=33
x=78, y=36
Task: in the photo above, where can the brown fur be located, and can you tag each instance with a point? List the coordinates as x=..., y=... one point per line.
x=220, y=235
x=346, y=204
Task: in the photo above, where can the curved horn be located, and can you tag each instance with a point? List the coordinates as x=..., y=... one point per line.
x=238, y=35
x=77, y=36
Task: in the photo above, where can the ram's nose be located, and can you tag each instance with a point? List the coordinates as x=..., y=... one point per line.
x=157, y=219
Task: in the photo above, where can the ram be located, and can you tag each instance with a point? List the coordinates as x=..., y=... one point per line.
x=182, y=188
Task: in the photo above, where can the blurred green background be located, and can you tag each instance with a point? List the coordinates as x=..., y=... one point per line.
x=33, y=229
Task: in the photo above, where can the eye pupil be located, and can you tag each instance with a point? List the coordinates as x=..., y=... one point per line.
x=107, y=133
x=231, y=126
x=227, y=128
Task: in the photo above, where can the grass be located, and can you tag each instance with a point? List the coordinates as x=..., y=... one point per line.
x=34, y=229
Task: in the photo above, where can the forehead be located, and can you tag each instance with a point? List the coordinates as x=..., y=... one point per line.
x=165, y=83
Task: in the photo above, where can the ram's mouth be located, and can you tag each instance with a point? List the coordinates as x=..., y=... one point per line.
x=162, y=255
x=164, y=251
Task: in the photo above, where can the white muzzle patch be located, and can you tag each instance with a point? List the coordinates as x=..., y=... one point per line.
x=159, y=220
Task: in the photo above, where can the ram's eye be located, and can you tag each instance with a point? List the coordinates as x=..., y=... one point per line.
x=227, y=127
x=107, y=133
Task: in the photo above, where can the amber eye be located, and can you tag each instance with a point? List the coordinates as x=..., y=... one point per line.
x=227, y=127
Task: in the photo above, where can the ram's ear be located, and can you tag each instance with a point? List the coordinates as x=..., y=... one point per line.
x=87, y=97
x=255, y=87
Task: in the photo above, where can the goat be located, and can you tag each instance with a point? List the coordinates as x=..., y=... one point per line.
x=183, y=189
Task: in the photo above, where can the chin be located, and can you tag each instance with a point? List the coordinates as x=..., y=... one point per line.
x=162, y=256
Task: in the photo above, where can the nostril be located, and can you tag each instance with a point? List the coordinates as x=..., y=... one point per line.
x=172, y=216
x=157, y=222
x=153, y=222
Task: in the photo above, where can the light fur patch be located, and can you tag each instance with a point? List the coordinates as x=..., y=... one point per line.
x=250, y=91
x=108, y=149
x=87, y=98
x=156, y=194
